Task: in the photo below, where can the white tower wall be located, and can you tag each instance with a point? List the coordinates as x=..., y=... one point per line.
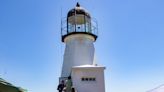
x=79, y=51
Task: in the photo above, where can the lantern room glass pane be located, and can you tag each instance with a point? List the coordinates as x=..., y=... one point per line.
x=88, y=24
x=79, y=23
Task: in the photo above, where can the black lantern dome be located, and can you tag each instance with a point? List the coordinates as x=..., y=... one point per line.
x=78, y=10
x=79, y=22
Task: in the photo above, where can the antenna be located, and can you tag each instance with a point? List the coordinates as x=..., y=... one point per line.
x=61, y=25
x=61, y=19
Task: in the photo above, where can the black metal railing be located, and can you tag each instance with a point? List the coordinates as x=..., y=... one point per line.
x=91, y=29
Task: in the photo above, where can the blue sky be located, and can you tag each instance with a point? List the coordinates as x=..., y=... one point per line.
x=130, y=42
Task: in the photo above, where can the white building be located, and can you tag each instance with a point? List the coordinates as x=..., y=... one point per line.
x=79, y=35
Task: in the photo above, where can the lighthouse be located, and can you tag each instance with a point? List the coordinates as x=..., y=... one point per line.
x=78, y=33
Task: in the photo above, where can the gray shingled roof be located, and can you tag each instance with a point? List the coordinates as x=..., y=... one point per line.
x=8, y=87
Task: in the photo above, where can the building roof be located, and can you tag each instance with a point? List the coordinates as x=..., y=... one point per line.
x=8, y=87
x=2, y=81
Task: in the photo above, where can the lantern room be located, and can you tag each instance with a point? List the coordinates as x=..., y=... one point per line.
x=78, y=21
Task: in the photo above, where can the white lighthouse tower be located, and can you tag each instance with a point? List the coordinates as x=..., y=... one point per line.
x=79, y=35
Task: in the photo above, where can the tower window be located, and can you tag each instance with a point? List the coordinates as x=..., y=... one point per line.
x=82, y=79
x=88, y=79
